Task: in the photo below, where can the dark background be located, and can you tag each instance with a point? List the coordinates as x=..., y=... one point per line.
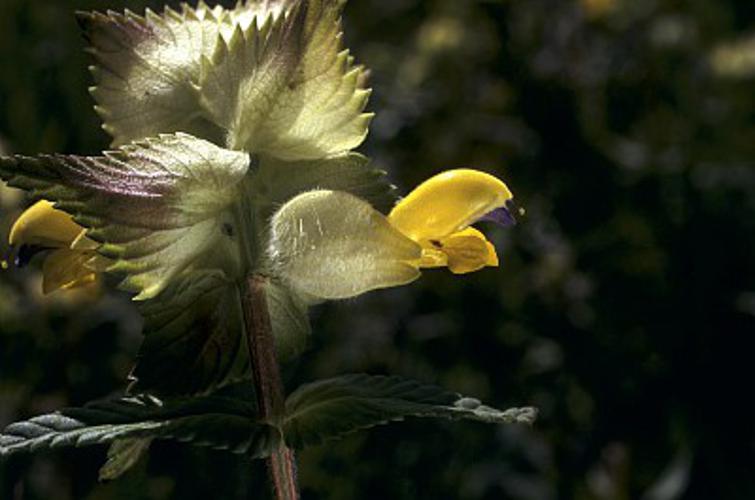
x=623, y=307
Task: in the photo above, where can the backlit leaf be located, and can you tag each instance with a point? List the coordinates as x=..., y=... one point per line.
x=286, y=88
x=332, y=408
x=219, y=422
x=195, y=339
x=146, y=67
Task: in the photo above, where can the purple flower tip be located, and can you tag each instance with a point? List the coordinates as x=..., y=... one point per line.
x=503, y=216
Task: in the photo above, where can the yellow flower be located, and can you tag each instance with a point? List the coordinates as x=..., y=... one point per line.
x=333, y=245
x=598, y=8
x=438, y=213
x=71, y=261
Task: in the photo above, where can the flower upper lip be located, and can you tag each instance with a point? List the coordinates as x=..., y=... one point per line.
x=448, y=202
x=71, y=261
x=42, y=225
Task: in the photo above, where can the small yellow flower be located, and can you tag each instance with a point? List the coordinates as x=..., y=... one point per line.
x=438, y=213
x=71, y=261
x=596, y=9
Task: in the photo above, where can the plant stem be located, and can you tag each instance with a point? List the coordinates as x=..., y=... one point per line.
x=267, y=384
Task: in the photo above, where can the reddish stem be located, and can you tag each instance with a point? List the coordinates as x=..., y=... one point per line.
x=267, y=384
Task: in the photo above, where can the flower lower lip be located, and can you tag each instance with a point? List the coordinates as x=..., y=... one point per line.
x=503, y=216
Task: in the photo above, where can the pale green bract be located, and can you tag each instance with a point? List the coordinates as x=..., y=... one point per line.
x=286, y=88
x=147, y=66
x=144, y=69
x=333, y=245
x=268, y=77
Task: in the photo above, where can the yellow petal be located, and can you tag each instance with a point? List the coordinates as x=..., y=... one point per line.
x=492, y=258
x=448, y=203
x=66, y=269
x=466, y=251
x=432, y=257
x=43, y=225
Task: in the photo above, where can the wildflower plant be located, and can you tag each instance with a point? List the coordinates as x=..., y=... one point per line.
x=231, y=202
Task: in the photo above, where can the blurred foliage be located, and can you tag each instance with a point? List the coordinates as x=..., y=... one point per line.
x=624, y=307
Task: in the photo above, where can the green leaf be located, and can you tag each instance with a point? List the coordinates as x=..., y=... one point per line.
x=195, y=337
x=333, y=408
x=158, y=206
x=219, y=422
x=122, y=456
x=146, y=67
x=286, y=87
